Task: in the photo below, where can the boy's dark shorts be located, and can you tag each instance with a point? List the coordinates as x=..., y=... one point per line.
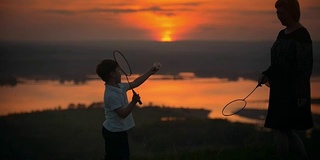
x=116, y=145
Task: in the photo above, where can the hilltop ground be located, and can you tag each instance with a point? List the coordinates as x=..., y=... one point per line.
x=160, y=134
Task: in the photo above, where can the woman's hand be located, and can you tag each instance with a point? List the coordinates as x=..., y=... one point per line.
x=263, y=79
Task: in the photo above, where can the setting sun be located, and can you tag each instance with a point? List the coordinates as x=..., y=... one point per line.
x=166, y=36
x=165, y=23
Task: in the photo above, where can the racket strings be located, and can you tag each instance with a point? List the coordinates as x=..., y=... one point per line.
x=237, y=105
x=234, y=107
x=122, y=62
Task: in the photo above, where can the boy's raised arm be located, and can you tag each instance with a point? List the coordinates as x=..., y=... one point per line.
x=138, y=81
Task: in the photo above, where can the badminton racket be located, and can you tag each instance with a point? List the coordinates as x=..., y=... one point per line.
x=124, y=66
x=237, y=105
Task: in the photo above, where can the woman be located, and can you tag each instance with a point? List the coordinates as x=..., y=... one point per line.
x=289, y=79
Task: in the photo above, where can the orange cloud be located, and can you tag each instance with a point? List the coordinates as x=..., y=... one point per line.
x=162, y=20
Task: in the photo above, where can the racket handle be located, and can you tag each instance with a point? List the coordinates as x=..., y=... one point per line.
x=259, y=85
x=135, y=93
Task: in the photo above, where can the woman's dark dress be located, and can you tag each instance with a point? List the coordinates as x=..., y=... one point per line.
x=289, y=78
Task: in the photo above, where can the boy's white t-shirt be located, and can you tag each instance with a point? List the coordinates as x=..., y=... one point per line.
x=114, y=98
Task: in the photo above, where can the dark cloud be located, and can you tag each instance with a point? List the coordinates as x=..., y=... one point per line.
x=126, y=10
x=117, y=10
x=96, y=10
x=111, y=10
x=60, y=11
x=185, y=4
x=155, y=9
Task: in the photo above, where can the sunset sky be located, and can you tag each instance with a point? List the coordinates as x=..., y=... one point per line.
x=158, y=20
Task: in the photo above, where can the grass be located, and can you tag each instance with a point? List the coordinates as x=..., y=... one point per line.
x=76, y=134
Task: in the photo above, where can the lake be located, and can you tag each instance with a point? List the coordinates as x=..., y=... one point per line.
x=160, y=90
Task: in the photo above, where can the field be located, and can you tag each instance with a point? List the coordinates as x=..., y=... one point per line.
x=160, y=134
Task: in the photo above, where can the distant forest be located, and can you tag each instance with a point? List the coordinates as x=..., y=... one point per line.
x=76, y=61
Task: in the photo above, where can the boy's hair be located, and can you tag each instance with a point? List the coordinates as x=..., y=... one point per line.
x=292, y=6
x=105, y=67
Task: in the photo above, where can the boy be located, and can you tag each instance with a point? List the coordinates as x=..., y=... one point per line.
x=117, y=108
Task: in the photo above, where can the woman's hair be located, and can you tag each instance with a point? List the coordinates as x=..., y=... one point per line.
x=105, y=67
x=292, y=6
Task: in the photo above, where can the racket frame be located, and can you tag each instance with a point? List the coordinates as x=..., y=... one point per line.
x=236, y=100
x=126, y=74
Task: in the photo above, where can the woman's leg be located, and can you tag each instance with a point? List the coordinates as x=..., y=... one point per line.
x=297, y=146
x=282, y=143
x=287, y=141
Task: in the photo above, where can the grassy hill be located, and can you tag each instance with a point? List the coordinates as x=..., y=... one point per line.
x=160, y=134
